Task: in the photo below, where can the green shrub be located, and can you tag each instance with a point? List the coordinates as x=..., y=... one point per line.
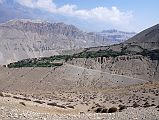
x=49, y=61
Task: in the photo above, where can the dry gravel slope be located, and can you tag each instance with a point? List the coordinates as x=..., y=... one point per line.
x=135, y=66
x=65, y=77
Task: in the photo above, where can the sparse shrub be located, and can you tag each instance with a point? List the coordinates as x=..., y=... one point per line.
x=16, y=97
x=135, y=105
x=4, y=65
x=112, y=110
x=113, y=102
x=22, y=103
x=122, y=107
x=104, y=110
x=7, y=95
x=157, y=106
x=153, y=105
x=26, y=99
x=40, y=102
x=145, y=100
x=1, y=94
x=52, y=104
x=97, y=105
x=120, y=101
x=70, y=106
x=61, y=106
x=146, y=104
x=98, y=110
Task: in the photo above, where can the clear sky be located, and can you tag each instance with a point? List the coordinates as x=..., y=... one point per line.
x=96, y=15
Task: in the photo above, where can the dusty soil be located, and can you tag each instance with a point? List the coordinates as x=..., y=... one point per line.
x=71, y=92
x=11, y=106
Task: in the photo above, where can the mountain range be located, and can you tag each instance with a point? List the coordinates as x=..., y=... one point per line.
x=116, y=36
x=24, y=38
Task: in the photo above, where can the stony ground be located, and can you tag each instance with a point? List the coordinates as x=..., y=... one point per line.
x=84, y=105
x=11, y=113
x=76, y=93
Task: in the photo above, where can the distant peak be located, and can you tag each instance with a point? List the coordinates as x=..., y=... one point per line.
x=26, y=21
x=117, y=31
x=109, y=31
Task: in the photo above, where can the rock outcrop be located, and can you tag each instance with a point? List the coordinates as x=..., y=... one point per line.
x=135, y=66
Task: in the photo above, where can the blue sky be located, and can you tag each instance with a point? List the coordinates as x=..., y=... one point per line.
x=145, y=12
x=96, y=15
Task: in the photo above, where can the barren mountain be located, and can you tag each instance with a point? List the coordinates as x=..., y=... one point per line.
x=22, y=39
x=148, y=39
